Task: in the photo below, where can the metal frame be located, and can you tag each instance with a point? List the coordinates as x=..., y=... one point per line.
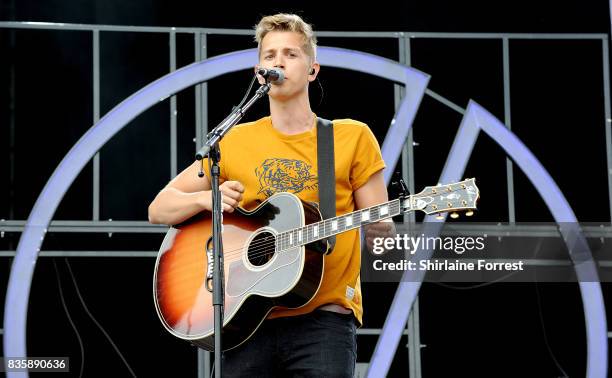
x=96, y=117
x=413, y=345
x=200, y=42
x=130, y=227
x=200, y=48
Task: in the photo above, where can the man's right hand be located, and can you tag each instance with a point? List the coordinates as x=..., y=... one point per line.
x=188, y=194
x=231, y=194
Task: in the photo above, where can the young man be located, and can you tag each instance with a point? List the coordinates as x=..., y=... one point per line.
x=279, y=154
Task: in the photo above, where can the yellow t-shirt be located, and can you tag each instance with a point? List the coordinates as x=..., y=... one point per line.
x=267, y=161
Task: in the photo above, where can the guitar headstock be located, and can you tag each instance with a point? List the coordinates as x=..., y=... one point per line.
x=459, y=196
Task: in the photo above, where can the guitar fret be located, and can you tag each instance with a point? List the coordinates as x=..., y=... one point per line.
x=374, y=216
x=337, y=225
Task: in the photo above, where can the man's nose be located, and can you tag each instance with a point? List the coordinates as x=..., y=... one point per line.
x=279, y=62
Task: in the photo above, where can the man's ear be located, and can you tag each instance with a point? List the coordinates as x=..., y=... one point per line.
x=314, y=71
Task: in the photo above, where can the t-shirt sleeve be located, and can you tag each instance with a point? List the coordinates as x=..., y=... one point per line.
x=367, y=159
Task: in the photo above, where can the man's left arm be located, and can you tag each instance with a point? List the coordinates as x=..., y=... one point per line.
x=374, y=192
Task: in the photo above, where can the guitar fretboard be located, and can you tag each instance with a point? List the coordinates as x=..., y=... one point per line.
x=332, y=226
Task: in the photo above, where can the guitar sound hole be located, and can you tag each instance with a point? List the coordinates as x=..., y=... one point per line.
x=261, y=249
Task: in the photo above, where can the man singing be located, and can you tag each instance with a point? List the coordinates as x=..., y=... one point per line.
x=278, y=153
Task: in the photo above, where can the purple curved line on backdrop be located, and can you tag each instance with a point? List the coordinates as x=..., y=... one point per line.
x=477, y=118
x=20, y=280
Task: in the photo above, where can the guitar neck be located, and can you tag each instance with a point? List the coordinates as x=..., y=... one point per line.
x=320, y=230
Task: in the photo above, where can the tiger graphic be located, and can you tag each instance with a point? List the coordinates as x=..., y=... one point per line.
x=284, y=175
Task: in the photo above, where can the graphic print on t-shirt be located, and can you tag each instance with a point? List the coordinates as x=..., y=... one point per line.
x=284, y=175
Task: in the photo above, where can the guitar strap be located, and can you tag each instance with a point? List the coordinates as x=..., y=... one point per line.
x=327, y=175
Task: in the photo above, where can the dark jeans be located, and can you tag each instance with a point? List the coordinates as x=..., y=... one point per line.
x=318, y=344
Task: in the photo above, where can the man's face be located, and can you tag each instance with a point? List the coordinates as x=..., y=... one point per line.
x=283, y=50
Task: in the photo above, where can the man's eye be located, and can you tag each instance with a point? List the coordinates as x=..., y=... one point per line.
x=268, y=57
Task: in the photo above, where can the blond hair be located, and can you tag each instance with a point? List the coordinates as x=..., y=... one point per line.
x=287, y=22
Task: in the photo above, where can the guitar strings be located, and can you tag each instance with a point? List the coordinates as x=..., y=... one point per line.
x=260, y=247
x=326, y=228
x=393, y=204
x=267, y=245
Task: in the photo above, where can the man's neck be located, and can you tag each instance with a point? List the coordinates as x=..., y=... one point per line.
x=291, y=117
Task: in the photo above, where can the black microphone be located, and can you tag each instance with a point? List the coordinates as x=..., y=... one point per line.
x=273, y=75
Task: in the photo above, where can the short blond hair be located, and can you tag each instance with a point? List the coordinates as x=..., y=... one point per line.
x=291, y=23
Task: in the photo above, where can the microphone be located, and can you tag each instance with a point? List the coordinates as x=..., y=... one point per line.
x=273, y=75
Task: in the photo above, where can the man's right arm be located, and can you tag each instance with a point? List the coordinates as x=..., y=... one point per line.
x=187, y=194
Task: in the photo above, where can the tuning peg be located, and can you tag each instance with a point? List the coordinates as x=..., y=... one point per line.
x=439, y=216
x=454, y=215
x=469, y=213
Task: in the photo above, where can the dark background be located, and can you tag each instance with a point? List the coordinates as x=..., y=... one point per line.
x=497, y=330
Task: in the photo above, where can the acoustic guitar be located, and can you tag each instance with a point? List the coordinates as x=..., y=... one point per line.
x=273, y=256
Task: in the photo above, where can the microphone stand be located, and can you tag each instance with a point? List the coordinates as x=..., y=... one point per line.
x=211, y=148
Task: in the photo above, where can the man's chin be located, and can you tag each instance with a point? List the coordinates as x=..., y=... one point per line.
x=280, y=95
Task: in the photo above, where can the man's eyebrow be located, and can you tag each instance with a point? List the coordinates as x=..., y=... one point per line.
x=283, y=49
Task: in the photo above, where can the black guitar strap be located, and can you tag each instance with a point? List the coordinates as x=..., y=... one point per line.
x=327, y=175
